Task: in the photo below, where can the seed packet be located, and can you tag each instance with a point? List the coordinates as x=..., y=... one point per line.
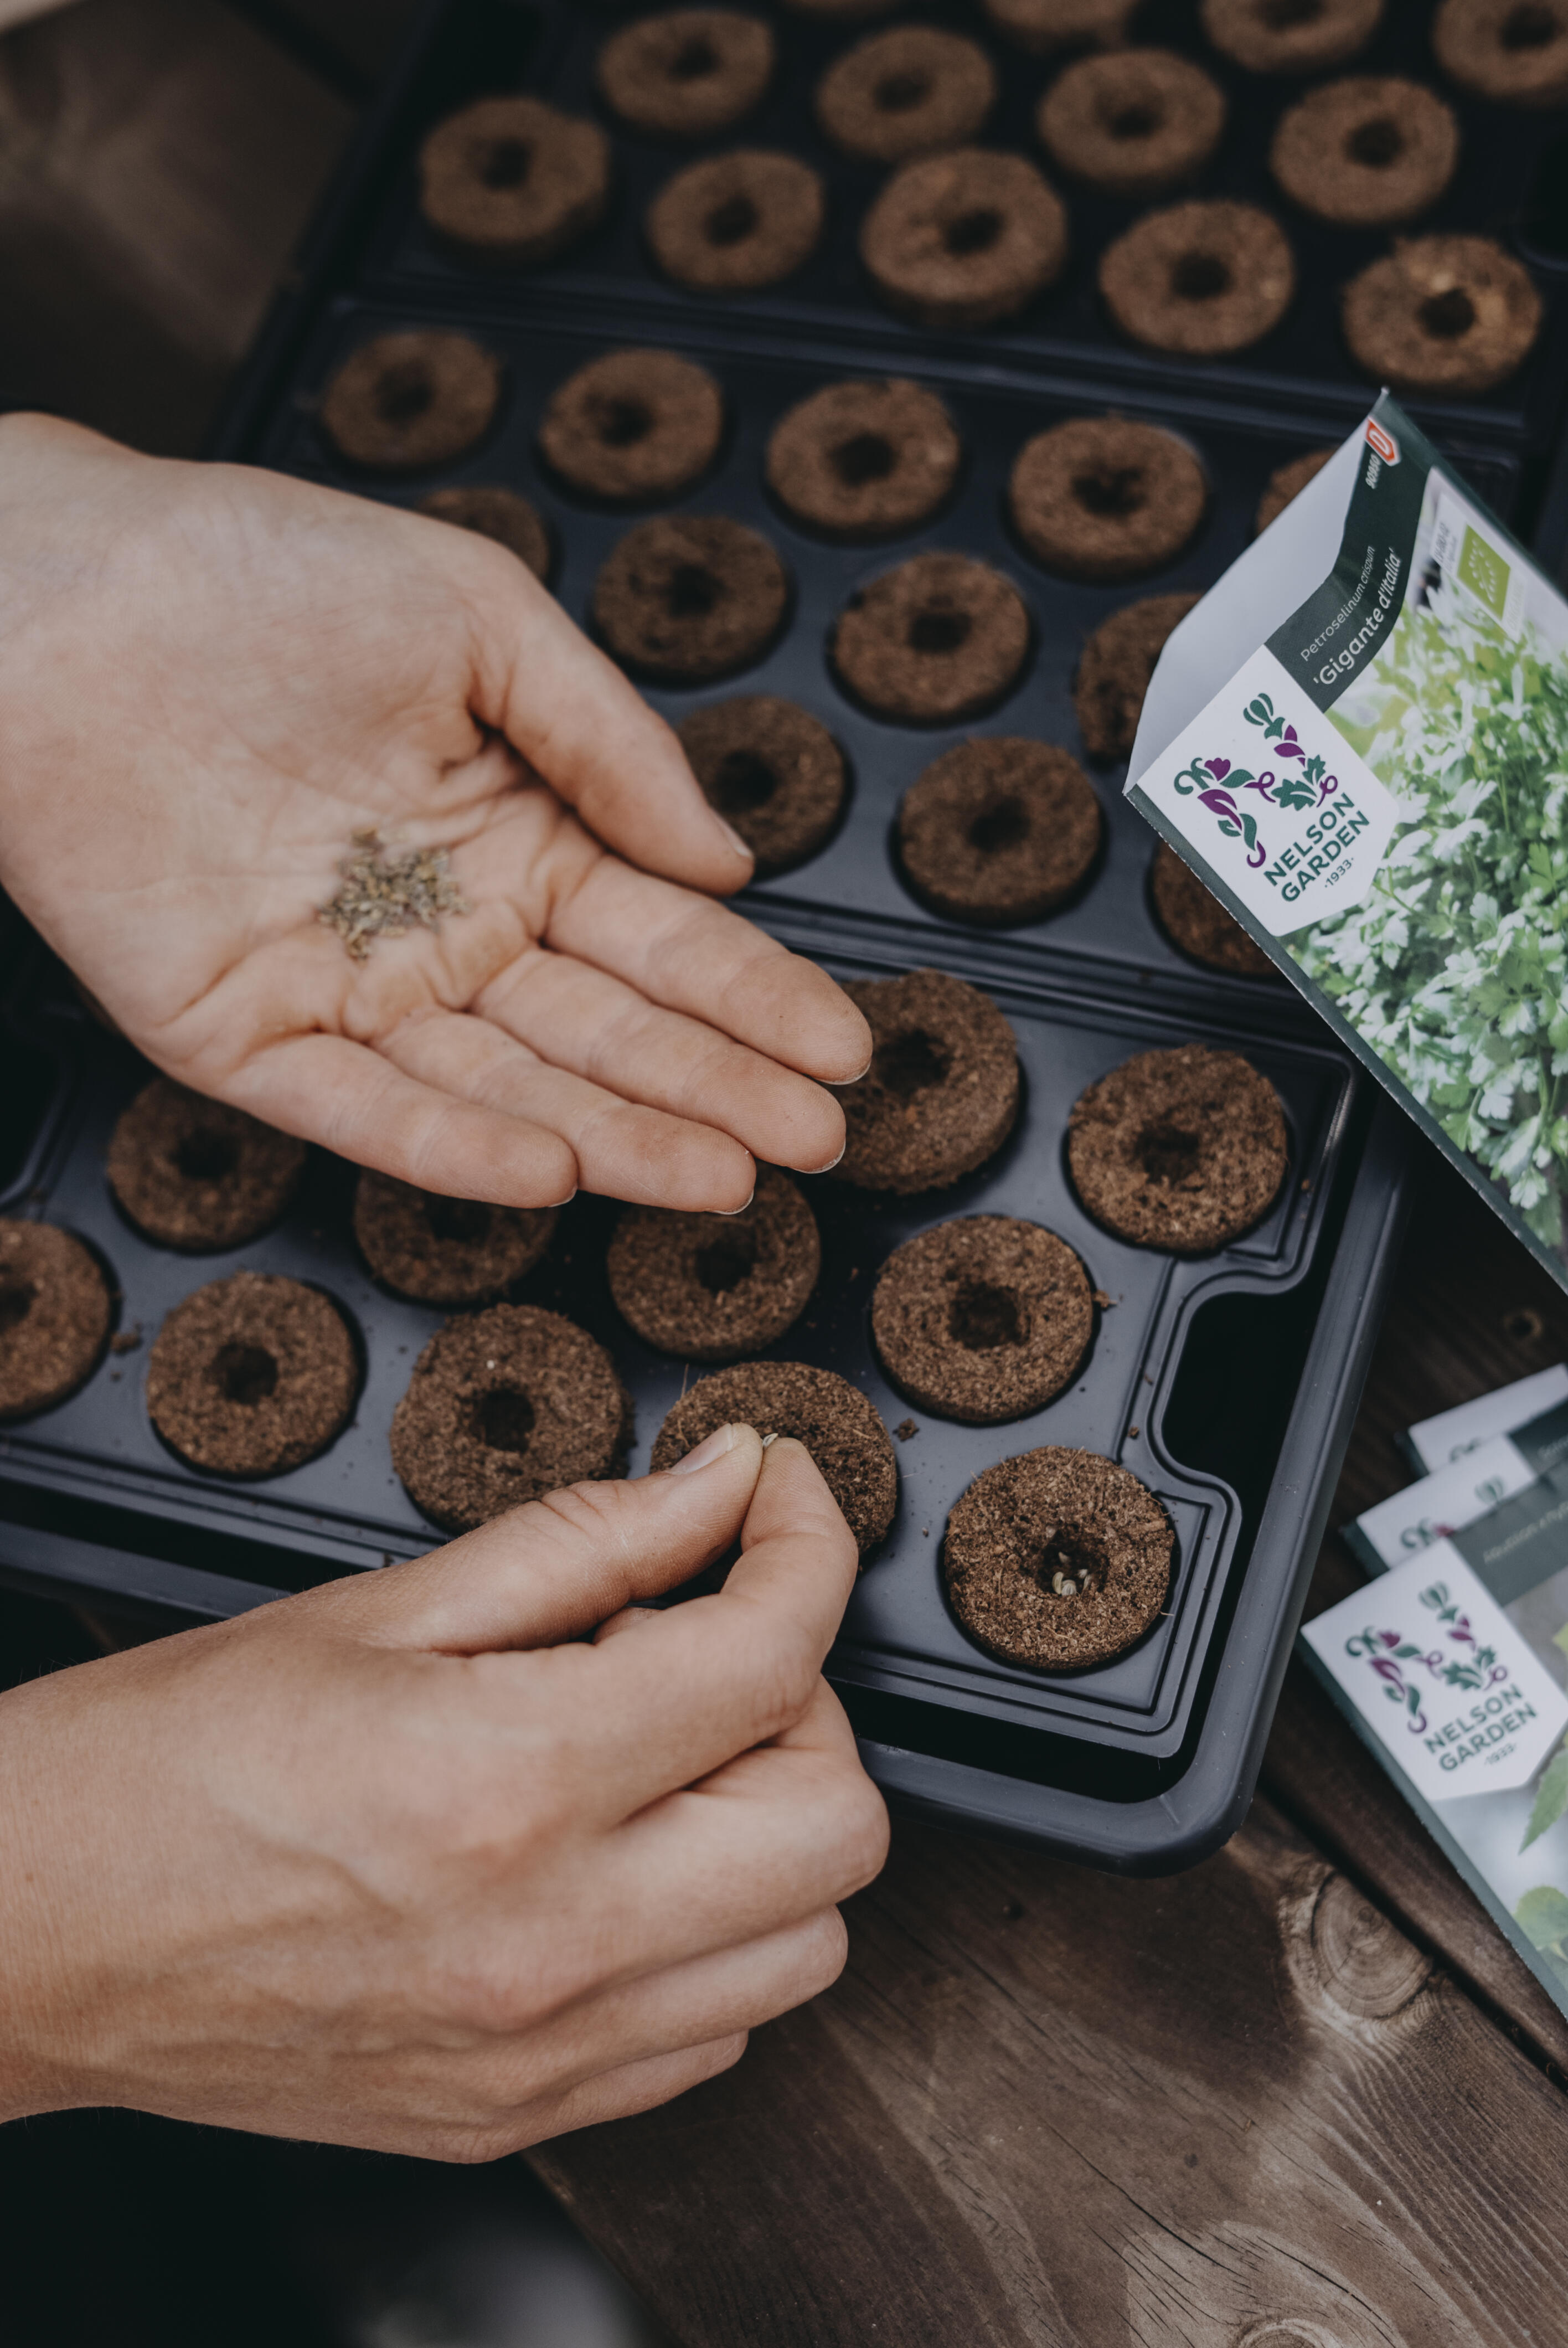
x=1454, y=1665
x=1462, y=1491
x=1378, y=791
x=1432, y=1442
x=1457, y=1701
x=1442, y=1503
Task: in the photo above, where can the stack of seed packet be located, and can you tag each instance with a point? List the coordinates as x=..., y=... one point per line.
x=1453, y=1663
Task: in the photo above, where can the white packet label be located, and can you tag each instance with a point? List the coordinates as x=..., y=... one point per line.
x=1443, y=1678
x=1271, y=795
x=1450, y=1433
x=1452, y=1497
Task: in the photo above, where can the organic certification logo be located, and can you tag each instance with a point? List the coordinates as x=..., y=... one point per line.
x=1483, y=571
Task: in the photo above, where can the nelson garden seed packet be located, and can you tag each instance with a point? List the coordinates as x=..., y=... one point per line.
x=1371, y=774
x=1454, y=1665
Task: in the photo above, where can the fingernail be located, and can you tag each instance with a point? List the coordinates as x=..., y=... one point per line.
x=566, y=1201
x=736, y=842
x=824, y=1170
x=713, y=1447
x=838, y=1084
x=736, y=1210
x=769, y=1439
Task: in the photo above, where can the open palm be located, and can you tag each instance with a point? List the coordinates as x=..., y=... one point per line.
x=210, y=679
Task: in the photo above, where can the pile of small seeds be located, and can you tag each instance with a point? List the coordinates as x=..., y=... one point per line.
x=384, y=891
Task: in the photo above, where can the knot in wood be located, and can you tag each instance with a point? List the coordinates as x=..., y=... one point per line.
x=1365, y=1964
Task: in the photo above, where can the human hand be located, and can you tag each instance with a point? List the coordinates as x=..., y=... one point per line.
x=403, y=1862
x=210, y=678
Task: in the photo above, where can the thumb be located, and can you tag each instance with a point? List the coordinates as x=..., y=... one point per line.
x=555, y=1567
x=595, y=740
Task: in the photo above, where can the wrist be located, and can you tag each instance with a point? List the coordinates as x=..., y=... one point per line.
x=42, y=2007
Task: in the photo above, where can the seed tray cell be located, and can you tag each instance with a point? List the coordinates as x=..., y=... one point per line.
x=1509, y=184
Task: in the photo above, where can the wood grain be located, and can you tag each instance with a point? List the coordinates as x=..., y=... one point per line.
x=1318, y=1770
x=1045, y=2106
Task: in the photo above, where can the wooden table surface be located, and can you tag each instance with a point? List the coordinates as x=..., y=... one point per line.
x=1305, y=2095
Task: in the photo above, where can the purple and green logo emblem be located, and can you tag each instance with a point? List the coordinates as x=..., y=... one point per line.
x=1300, y=783
x=1396, y=1660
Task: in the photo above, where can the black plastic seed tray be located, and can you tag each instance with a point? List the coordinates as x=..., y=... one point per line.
x=1229, y=1384
x=1177, y=1348
x=1512, y=183
x=1111, y=918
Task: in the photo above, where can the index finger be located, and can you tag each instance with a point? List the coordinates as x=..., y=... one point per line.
x=716, y=1676
x=589, y=732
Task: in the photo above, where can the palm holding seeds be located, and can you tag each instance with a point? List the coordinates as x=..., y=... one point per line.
x=590, y=1019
